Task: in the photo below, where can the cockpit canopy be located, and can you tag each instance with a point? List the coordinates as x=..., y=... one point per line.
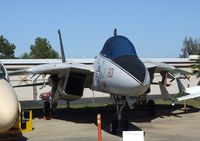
x=122, y=52
x=2, y=71
x=118, y=46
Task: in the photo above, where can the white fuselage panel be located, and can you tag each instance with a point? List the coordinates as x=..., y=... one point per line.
x=111, y=78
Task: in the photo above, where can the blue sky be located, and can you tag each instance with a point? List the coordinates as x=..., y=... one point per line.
x=157, y=28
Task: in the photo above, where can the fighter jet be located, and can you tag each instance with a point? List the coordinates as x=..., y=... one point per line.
x=9, y=106
x=117, y=70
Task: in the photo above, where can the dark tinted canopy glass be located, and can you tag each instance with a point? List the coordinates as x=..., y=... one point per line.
x=2, y=72
x=118, y=46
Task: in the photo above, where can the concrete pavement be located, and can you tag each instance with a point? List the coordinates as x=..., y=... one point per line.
x=80, y=125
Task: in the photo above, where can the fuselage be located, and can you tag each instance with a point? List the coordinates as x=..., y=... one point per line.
x=9, y=108
x=118, y=70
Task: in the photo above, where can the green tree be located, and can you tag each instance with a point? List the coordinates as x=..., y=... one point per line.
x=25, y=55
x=42, y=49
x=190, y=47
x=7, y=49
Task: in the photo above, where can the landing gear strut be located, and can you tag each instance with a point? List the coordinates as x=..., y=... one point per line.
x=119, y=124
x=47, y=110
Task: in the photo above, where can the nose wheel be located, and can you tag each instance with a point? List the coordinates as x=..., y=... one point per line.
x=118, y=124
x=151, y=108
x=117, y=127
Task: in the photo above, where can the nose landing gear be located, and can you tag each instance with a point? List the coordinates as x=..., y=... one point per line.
x=119, y=124
x=151, y=108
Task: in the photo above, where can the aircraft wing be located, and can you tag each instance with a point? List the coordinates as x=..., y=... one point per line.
x=189, y=96
x=158, y=67
x=60, y=69
x=192, y=92
x=52, y=68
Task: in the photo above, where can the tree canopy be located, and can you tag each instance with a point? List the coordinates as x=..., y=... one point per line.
x=41, y=49
x=7, y=49
x=25, y=55
x=190, y=47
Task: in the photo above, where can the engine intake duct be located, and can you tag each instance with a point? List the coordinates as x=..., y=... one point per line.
x=75, y=84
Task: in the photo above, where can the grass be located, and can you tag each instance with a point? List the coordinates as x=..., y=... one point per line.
x=76, y=106
x=92, y=108
x=191, y=102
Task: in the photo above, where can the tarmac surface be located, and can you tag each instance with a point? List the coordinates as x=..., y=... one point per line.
x=79, y=124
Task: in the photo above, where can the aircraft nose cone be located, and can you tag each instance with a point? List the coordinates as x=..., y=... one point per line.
x=8, y=106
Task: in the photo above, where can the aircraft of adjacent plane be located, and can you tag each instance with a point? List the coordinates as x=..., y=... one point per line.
x=186, y=93
x=117, y=70
x=9, y=106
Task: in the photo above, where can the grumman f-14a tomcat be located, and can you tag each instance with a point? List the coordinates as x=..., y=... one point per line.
x=117, y=70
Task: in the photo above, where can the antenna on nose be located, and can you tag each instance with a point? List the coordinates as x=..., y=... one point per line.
x=115, y=32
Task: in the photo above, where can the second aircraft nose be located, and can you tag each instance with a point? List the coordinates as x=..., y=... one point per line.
x=8, y=106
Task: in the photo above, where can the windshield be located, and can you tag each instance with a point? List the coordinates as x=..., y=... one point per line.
x=118, y=46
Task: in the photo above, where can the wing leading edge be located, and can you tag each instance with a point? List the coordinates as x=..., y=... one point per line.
x=159, y=67
x=60, y=69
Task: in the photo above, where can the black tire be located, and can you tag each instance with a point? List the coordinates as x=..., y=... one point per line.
x=113, y=126
x=125, y=125
x=47, y=109
x=151, y=108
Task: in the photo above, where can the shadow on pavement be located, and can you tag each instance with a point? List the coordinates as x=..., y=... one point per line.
x=89, y=114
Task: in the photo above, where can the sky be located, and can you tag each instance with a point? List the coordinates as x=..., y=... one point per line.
x=157, y=28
